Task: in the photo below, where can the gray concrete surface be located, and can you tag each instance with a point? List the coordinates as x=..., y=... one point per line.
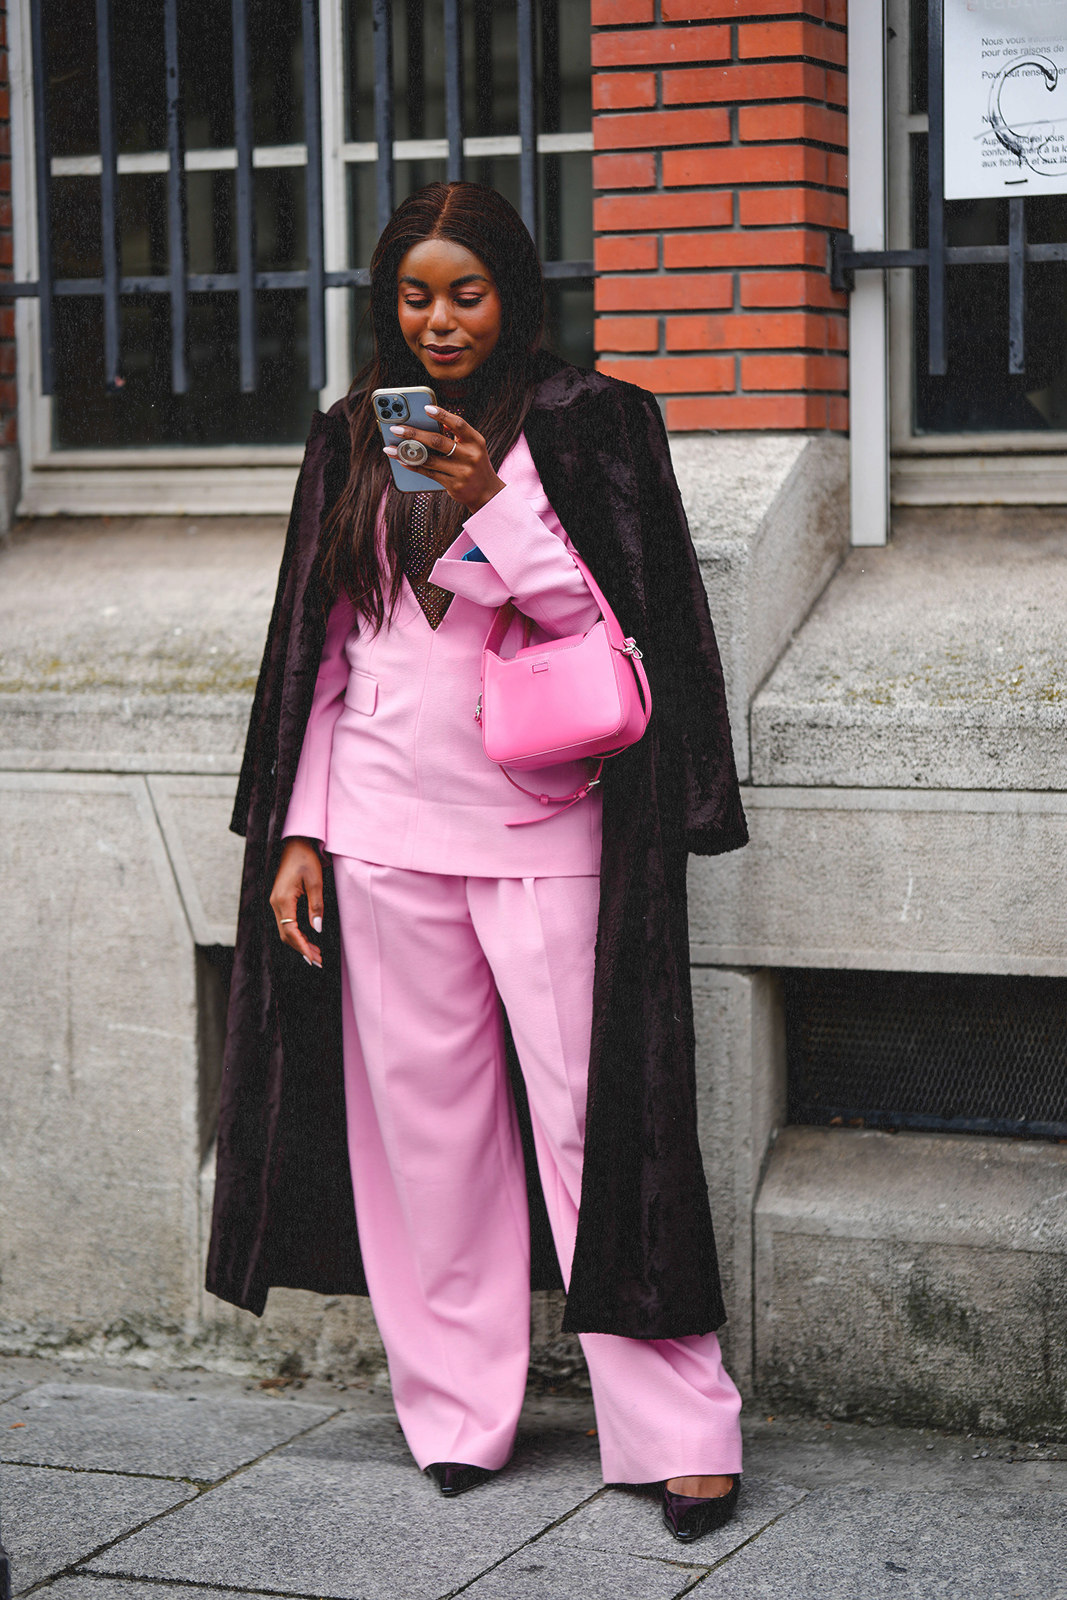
x=769, y=518
x=938, y=662
x=332, y=1505
x=920, y=881
x=914, y=1276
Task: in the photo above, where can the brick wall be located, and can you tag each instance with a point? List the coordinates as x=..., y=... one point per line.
x=8, y=396
x=720, y=136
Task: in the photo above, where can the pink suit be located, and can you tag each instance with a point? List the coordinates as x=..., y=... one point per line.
x=444, y=908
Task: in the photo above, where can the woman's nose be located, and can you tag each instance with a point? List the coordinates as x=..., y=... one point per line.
x=441, y=319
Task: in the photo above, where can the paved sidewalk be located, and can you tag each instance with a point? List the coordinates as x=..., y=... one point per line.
x=119, y=1485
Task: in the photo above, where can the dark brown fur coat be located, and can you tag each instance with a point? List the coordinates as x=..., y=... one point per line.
x=645, y=1262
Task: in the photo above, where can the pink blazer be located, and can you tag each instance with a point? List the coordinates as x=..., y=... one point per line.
x=392, y=768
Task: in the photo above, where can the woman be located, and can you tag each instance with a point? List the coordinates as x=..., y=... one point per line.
x=411, y=884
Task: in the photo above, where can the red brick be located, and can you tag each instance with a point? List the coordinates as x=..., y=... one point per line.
x=700, y=292
x=5, y=100
x=712, y=209
x=837, y=88
x=615, y=91
x=658, y=128
x=9, y=431
x=765, y=207
x=747, y=411
x=5, y=213
x=837, y=12
x=6, y=253
x=837, y=333
x=792, y=122
x=5, y=139
x=836, y=170
x=7, y=360
x=661, y=44
x=784, y=163
x=626, y=252
x=772, y=249
x=683, y=375
x=627, y=333
x=837, y=409
x=7, y=321
x=790, y=289
x=702, y=10
x=624, y=172
x=777, y=80
x=786, y=330
x=8, y=394
x=794, y=372
x=791, y=39
x=616, y=13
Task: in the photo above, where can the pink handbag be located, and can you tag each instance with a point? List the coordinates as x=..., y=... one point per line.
x=583, y=697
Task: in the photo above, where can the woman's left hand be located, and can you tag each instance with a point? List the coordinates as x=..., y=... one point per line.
x=464, y=471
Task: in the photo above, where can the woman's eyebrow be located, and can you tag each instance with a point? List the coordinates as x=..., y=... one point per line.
x=457, y=283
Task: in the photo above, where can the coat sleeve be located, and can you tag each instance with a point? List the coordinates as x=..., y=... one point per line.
x=690, y=695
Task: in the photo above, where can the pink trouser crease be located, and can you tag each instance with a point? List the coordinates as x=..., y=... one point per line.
x=438, y=1177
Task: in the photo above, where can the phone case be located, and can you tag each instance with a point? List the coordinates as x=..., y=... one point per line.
x=393, y=406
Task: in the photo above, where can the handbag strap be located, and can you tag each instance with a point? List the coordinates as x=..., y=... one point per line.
x=502, y=621
x=564, y=801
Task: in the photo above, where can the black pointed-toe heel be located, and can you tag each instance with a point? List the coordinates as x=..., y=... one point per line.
x=455, y=1477
x=689, y=1518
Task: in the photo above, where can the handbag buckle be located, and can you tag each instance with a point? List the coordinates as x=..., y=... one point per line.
x=629, y=648
x=478, y=710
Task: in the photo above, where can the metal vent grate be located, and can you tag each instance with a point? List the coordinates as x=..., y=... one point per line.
x=962, y=1053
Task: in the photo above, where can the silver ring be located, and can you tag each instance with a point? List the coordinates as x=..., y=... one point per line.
x=454, y=444
x=285, y=920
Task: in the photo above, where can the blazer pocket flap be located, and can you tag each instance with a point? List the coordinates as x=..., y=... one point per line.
x=362, y=692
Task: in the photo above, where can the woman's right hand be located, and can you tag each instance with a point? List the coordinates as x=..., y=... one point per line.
x=299, y=873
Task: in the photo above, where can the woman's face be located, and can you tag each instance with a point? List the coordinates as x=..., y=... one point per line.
x=449, y=308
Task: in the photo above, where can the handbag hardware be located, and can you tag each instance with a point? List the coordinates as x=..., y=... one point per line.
x=562, y=700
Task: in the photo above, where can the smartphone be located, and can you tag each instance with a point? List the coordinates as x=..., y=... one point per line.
x=394, y=406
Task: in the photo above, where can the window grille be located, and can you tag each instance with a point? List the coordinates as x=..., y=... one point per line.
x=951, y=1052
x=456, y=149
x=1016, y=253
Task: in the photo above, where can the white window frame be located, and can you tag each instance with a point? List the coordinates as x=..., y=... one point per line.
x=179, y=480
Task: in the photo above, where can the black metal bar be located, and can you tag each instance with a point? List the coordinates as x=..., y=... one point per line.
x=957, y=255
x=936, y=194
x=383, y=107
x=313, y=139
x=1016, y=284
x=246, y=215
x=527, y=117
x=230, y=282
x=175, y=201
x=567, y=269
x=454, y=88
x=551, y=165
x=44, y=189
x=109, y=182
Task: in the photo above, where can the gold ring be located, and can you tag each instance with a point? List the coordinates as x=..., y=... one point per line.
x=285, y=920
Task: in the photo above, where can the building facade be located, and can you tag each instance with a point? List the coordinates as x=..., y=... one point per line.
x=881, y=976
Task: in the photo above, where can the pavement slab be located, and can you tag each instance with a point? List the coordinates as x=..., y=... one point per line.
x=540, y=1573
x=54, y=1519
x=630, y=1521
x=863, y=1544
x=121, y=1430
x=82, y=1587
x=345, y=1513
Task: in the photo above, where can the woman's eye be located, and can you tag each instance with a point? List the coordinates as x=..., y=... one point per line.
x=468, y=305
x=417, y=305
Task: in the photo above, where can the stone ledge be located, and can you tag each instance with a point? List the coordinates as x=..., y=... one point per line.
x=893, y=880
x=769, y=519
x=915, y=1276
x=939, y=662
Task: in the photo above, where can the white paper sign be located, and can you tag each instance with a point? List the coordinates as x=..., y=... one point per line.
x=1005, y=98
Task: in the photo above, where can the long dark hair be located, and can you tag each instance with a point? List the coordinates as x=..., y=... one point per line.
x=483, y=222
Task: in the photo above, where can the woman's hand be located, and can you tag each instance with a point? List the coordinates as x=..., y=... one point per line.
x=464, y=470
x=299, y=873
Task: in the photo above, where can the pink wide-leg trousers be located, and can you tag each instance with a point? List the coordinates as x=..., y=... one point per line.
x=437, y=1167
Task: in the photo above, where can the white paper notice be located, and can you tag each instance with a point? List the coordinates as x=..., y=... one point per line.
x=1005, y=98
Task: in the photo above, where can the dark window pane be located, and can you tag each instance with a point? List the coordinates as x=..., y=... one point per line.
x=214, y=412
x=918, y=56
x=978, y=394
